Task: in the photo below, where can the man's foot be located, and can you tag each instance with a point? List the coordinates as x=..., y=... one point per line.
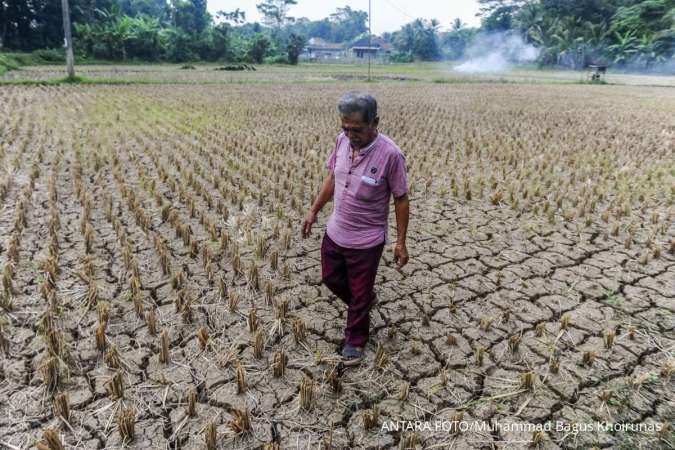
x=351, y=355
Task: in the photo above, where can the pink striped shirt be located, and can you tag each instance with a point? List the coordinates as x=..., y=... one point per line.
x=363, y=188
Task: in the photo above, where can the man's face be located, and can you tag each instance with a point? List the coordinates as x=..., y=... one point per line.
x=359, y=132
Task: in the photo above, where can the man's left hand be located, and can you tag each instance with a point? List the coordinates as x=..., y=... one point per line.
x=400, y=255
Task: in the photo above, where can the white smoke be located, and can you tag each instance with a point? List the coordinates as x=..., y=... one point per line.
x=497, y=52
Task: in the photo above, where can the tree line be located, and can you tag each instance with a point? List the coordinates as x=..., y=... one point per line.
x=571, y=33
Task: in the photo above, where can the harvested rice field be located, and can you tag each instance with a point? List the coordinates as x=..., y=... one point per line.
x=157, y=294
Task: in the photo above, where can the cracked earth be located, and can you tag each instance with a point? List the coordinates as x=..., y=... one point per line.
x=152, y=266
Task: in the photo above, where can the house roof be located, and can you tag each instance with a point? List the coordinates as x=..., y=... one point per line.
x=375, y=41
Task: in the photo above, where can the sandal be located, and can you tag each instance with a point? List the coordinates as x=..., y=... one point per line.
x=351, y=355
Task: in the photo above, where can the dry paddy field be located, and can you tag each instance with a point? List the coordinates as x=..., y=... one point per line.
x=156, y=292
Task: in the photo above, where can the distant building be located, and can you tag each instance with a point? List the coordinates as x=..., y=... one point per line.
x=317, y=49
x=378, y=48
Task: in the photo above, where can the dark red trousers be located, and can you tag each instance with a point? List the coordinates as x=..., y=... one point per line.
x=350, y=274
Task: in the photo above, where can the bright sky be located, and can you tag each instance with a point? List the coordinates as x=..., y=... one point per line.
x=388, y=15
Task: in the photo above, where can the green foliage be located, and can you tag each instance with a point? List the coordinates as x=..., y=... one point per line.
x=275, y=12
x=294, y=47
x=401, y=57
x=418, y=38
x=569, y=33
x=455, y=43
x=636, y=34
x=257, y=48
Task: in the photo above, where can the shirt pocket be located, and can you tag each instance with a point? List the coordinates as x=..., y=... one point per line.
x=370, y=189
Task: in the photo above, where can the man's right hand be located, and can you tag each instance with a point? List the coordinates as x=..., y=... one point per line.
x=310, y=218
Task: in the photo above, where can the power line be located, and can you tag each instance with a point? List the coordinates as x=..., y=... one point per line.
x=398, y=8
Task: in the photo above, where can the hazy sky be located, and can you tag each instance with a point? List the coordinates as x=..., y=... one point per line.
x=388, y=15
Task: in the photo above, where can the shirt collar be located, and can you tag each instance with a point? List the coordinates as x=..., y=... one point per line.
x=364, y=151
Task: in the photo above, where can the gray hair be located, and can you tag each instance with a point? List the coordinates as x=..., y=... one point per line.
x=353, y=102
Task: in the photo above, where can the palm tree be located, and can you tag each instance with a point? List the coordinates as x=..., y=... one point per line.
x=456, y=24
x=625, y=46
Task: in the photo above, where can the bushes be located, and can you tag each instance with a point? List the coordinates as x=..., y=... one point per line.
x=53, y=55
x=401, y=57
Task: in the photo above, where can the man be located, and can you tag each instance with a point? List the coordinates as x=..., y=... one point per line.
x=366, y=168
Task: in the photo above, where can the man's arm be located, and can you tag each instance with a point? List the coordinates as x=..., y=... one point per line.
x=326, y=193
x=402, y=209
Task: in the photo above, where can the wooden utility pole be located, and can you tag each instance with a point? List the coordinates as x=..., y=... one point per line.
x=369, y=38
x=68, y=37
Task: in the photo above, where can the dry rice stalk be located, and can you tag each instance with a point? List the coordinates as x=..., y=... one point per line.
x=4, y=342
x=565, y=321
x=178, y=280
x=409, y=441
x=540, y=329
x=455, y=420
x=233, y=301
x=528, y=380
x=252, y=320
x=537, y=438
x=668, y=369
x=404, y=391
x=554, y=364
x=51, y=440
x=241, y=421
x=370, y=417
x=126, y=424
x=254, y=276
x=101, y=341
x=211, y=436
x=307, y=393
x=112, y=357
x=54, y=342
x=332, y=377
x=281, y=309
x=269, y=292
x=92, y=294
x=103, y=312
x=588, y=358
x=609, y=338
x=279, y=364
x=241, y=378
x=202, y=338
x=61, y=406
x=480, y=353
x=381, y=358
x=274, y=260
x=138, y=305
x=151, y=320
x=259, y=345
x=49, y=369
x=631, y=332
x=116, y=386
x=485, y=323
x=164, y=355
x=514, y=343
x=299, y=331
x=192, y=403
x=222, y=288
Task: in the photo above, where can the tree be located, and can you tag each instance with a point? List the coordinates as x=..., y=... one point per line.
x=347, y=24
x=456, y=24
x=275, y=12
x=419, y=38
x=455, y=43
x=190, y=16
x=237, y=16
x=294, y=47
x=258, y=46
